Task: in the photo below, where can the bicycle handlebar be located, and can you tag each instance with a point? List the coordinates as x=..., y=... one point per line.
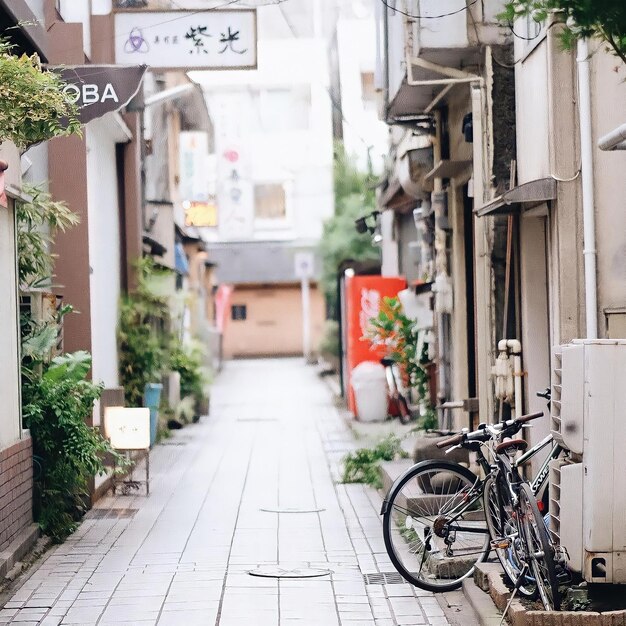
x=451, y=441
x=527, y=418
x=464, y=436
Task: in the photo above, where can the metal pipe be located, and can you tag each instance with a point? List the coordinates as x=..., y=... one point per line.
x=586, y=160
x=168, y=94
x=443, y=81
x=615, y=140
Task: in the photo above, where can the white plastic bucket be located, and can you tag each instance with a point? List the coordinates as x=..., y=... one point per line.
x=370, y=391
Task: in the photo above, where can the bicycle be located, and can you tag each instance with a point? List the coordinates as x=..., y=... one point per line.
x=394, y=390
x=440, y=519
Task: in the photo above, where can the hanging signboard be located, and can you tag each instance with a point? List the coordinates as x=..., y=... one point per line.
x=100, y=89
x=202, y=214
x=206, y=40
x=193, y=156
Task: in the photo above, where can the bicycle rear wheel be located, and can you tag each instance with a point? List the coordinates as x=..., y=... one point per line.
x=505, y=538
x=434, y=525
x=403, y=409
x=539, y=550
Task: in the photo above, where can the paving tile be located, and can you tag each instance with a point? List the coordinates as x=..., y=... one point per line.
x=184, y=558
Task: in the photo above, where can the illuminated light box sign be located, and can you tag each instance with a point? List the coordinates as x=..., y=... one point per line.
x=210, y=40
x=127, y=428
x=200, y=214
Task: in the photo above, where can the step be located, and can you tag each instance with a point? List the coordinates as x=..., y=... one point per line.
x=390, y=470
x=489, y=582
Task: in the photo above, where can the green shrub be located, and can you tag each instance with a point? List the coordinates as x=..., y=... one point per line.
x=144, y=318
x=33, y=107
x=69, y=451
x=330, y=339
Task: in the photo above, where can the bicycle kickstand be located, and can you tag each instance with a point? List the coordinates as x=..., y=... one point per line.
x=518, y=584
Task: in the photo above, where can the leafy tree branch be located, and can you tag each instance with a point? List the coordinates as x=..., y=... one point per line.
x=604, y=20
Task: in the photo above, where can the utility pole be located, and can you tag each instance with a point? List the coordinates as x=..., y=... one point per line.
x=304, y=267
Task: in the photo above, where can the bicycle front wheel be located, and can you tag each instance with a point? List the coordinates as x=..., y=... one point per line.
x=434, y=525
x=539, y=550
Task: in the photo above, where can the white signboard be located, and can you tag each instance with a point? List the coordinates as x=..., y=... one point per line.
x=127, y=428
x=304, y=265
x=217, y=40
x=194, y=150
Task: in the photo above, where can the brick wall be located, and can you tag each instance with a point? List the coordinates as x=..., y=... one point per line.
x=16, y=488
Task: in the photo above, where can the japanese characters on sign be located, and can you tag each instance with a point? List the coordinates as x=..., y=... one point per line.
x=223, y=39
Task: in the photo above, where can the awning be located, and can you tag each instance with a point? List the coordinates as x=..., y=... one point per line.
x=396, y=199
x=25, y=29
x=180, y=258
x=449, y=169
x=153, y=246
x=520, y=198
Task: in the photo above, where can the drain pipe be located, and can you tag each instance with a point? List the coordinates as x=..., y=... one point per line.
x=586, y=161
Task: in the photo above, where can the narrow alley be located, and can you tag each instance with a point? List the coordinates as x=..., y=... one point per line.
x=183, y=555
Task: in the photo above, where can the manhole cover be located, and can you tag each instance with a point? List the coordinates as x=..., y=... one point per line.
x=112, y=513
x=383, y=578
x=275, y=571
x=291, y=510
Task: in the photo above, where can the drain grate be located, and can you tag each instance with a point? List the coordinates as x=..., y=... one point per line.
x=383, y=578
x=173, y=443
x=112, y=513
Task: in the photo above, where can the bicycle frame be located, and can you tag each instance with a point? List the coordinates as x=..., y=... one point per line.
x=536, y=484
x=542, y=475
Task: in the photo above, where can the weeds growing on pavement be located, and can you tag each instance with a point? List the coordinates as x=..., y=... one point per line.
x=361, y=466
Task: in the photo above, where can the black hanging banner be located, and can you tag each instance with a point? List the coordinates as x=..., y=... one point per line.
x=100, y=89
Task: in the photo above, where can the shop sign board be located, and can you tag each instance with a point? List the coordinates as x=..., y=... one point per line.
x=201, y=214
x=193, y=166
x=100, y=89
x=127, y=428
x=205, y=40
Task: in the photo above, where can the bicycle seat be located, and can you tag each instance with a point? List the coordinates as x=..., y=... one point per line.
x=387, y=362
x=517, y=444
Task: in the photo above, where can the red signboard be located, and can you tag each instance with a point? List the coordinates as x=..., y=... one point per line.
x=363, y=297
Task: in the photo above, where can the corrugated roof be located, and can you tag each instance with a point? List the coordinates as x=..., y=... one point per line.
x=258, y=262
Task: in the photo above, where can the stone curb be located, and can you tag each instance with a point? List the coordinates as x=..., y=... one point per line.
x=488, y=577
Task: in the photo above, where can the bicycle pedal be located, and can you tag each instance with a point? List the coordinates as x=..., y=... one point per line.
x=500, y=544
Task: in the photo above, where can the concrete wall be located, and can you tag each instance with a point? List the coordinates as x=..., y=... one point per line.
x=609, y=111
x=16, y=463
x=299, y=157
x=104, y=244
x=10, y=419
x=274, y=321
x=363, y=129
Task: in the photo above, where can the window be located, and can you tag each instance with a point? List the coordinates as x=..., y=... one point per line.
x=368, y=88
x=269, y=202
x=238, y=312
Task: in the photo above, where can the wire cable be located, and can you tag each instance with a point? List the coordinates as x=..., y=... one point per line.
x=428, y=17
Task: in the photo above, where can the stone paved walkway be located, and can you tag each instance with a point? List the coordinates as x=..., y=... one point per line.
x=181, y=557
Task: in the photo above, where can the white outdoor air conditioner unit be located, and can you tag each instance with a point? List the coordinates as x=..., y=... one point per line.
x=587, y=490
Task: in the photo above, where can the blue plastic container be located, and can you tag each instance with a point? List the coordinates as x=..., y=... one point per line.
x=151, y=400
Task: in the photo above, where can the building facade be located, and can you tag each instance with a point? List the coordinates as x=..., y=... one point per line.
x=273, y=186
x=484, y=207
